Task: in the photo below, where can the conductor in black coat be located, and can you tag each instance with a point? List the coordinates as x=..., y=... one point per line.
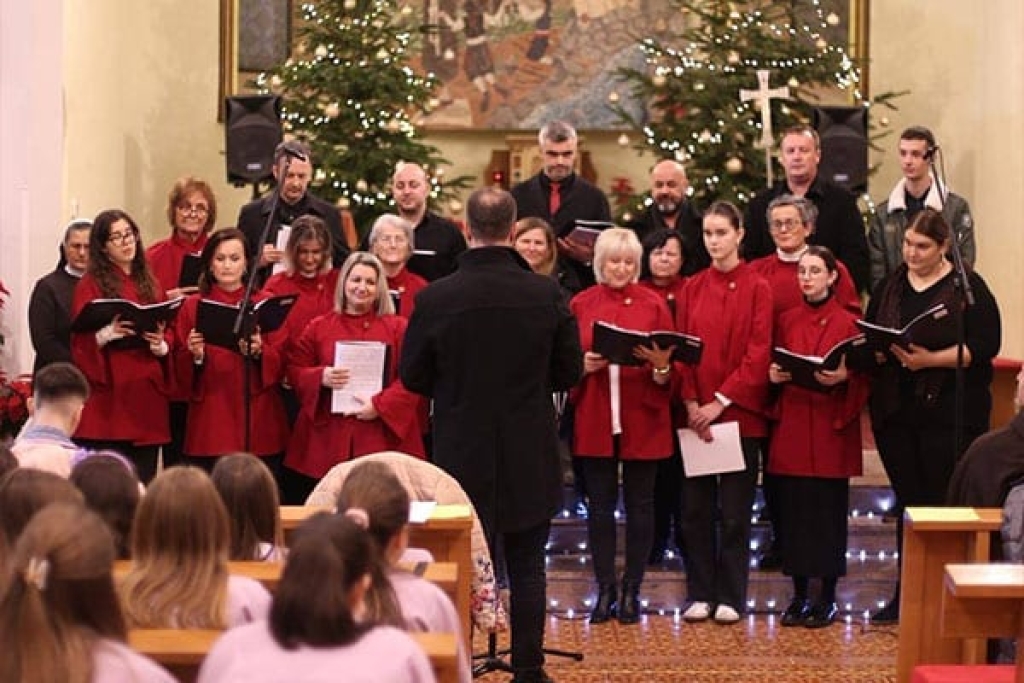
x=577, y=199
x=295, y=200
x=489, y=344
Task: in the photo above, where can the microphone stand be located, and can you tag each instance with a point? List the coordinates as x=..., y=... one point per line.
x=243, y=321
x=964, y=297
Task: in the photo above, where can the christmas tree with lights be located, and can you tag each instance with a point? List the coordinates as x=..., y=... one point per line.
x=697, y=68
x=349, y=92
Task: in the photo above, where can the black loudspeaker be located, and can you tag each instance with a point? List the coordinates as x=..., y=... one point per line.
x=252, y=129
x=844, y=146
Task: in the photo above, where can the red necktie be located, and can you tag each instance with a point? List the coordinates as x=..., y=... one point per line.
x=555, y=200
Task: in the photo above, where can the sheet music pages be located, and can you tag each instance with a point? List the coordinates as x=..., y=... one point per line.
x=723, y=454
x=365, y=363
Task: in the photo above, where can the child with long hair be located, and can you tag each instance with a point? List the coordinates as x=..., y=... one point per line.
x=179, y=576
x=111, y=490
x=372, y=491
x=249, y=492
x=58, y=608
x=312, y=635
x=23, y=493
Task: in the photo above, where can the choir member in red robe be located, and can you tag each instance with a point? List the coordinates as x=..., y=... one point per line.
x=215, y=377
x=129, y=383
x=791, y=222
x=815, y=444
x=192, y=214
x=622, y=418
x=391, y=241
x=310, y=276
x=664, y=258
x=389, y=420
x=730, y=308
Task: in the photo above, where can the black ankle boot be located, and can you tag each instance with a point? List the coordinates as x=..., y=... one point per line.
x=629, y=606
x=605, y=607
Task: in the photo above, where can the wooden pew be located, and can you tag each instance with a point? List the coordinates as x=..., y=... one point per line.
x=447, y=535
x=442, y=574
x=933, y=538
x=181, y=651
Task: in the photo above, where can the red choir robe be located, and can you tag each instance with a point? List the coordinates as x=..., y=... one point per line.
x=646, y=421
x=128, y=387
x=786, y=294
x=315, y=297
x=673, y=295
x=407, y=284
x=165, y=258
x=732, y=313
x=817, y=434
x=216, y=412
x=322, y=439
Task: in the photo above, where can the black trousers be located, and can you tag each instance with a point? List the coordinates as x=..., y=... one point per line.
x=522, y=554
x=718, y=552
x=143, y=457
x=601, y=477
x=177, y=415
x=668, y=502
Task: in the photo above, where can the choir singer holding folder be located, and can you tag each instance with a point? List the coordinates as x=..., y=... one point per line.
x=815, y=444
x=913, y=390
x=622, y=417
x=213, y=376
x=129, y=382
x=389, y=420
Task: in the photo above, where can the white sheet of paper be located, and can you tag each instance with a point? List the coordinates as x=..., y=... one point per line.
x=282, y=242
x=420, y=511
x=723, y=454
x=365, y=363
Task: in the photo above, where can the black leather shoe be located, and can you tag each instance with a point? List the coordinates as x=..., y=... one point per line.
x=890, y=614
x=606, y=605
x=629, y=606
x=797, y=612
x=822, y=615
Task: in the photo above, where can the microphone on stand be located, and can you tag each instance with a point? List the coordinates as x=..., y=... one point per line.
x=929, y=153
x=293, y=151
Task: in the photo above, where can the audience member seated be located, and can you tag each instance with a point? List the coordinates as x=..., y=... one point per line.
x=112, y=490
x=314, y=635
x=374, y=495
x=425, y=481
x=23, y=493
x=58, y=608
x=993, y=464
x=249, y=492
x=179, y=576
x=59, y=393
x=8, y=462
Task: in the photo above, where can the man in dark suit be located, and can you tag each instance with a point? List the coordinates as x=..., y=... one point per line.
x=839, y=226
x=295, y=200
x=561, y=197
x=671, y=209
x=489, y=344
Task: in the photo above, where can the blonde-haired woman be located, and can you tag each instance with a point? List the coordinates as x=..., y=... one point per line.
x=622, y=418
x=179, y=576
x=59, y=611
x=387, y=421
x=534, y=239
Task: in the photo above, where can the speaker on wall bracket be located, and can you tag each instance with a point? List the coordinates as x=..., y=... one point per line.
x=844, y=146
x=252, y=129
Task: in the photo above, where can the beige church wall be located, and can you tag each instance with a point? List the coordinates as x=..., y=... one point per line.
x=962, y=63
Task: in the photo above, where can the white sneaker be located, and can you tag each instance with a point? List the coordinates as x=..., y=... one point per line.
x=726, y=615
x=698, y=611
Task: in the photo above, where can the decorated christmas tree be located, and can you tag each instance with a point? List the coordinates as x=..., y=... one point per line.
x=698, y=66
x=348, y=91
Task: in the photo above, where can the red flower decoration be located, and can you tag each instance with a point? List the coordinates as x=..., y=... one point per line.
x=14, y=397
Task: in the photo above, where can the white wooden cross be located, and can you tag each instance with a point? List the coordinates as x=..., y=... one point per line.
x=763, y=97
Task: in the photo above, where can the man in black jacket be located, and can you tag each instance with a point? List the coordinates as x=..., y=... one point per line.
x=489, y=344
x=839, y=226
x=295, y=200
x=561, y=197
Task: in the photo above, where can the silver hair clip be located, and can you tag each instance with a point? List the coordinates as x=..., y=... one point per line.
x=359, y=516
x=37, y=572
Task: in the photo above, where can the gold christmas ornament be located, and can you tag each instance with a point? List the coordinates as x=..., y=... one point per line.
x=321, y=51
x=733, y=165
x=361, y=185
x=613, y=97
x=332, y=110
x=658, y=80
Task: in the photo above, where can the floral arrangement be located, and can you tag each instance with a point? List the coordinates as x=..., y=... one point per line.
x=14, y=397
